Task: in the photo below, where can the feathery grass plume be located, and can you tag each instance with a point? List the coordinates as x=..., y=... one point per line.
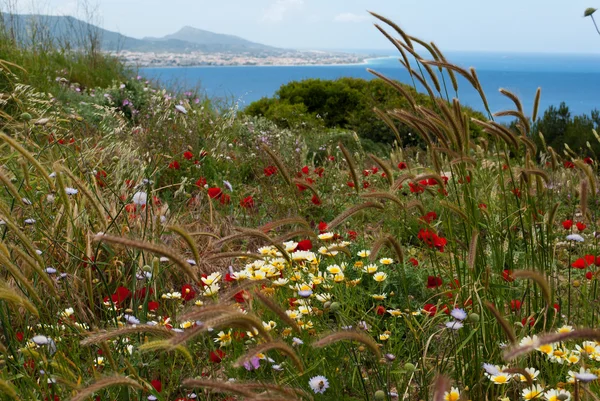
x=537, y=172
x=451, y=67
x=515, y=99
x=552, y=215
x=269, y=303
x=351, y=166
x=536, y=104
x=11, y=188
x=106, y=382
x=464, y=159
x=383, y=195
x=397, y=43
x=389, y=174
x=423, y=82
x=220, y=386
x=517, y=114
x=506, y=327
x=452, y=207
x=147, y=246
x=294, y=234
x=473, y=248
x=522, y=372
x=553, y=158
x=203, y=234
x=231, y=255
x=9, y=295
x=207, y=311
x=416, y=204
x=9, y=390
x=587, y=170
x=272, y=225
x=2, y=348
x=244, y=285
x=165, y=345
x=282, y=168
x=455, y=125
x=16, y=273
x=480, y=90
x=490, y=128
x=428, y=176
x=31, y=262
x=583, y=197
x=388, y=121
x=392, y=243
x=348, y=335
x=307, y=185
x=272, y=345
x=405, y=37
x=98, y=338
x=16, y=146
x=539, y=280
x=442, y=58
x=529, y=144
x=100, y=210
x=415, y=123
x=551, y=338
x=432, y=75
x=351, y=211
x=441, y=385
x=188, y=239
x=250, y=232
x=24, y=239
x=396, y=85
x=233, y=237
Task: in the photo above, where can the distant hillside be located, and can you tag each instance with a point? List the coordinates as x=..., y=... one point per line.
x=64, y=30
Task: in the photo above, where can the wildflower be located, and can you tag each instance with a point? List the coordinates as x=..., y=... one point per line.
x=557, y=395
x=575, y=238
x=140, y=198
x=252, y=364
x=188, y=155
x=188, y=292
x=500, y=378
x=201, y=182
x=507, y=275
x=71, y=191
x=296, y=341
x=379, y=297
x=490, y=369
x=270, y=170
x=395, y=312
x=581, y=226
x=29, y=221
x=380, y=277
x=318, y=384
x=386, y=261
x=567, y=224
x=434, y=282
x=402, y=166
x=585, y=376
x=430, y=309
x=458, y=314
x=174, y=165
x=384, y=336
x=217, y=356
x=414, y=262
x=215, y=192
x=305, y=291
x=326, y=236
x=452, y=395
x=223, y=338
x=533, y=392
x=454, y=325
x=304, y=245
x=228, y=185
x=247, y=202
x=180, y=109
x=532, y=372
x=370, y=269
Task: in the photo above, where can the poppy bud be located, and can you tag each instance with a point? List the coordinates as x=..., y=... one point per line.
x=379, y=395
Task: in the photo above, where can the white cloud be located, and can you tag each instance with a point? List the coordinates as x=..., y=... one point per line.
x=350, y=17
x=276, y=12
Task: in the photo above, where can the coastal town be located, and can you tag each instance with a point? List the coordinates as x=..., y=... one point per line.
x=291, y=57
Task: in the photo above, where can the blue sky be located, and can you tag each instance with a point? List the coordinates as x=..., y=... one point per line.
x=550, y=26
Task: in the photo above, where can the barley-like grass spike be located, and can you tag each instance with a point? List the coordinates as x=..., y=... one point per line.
x=583, y=197
x=269, y=303
x=9, y=390
x=551, y=338
x=384, y=195
x=282, y=168
x=389, y=175
x=98, y=338
x=351, y=211
x=473, y=248
x=220, y=386
x=282, y=222
x=506, y=327
x=348, y=335
x=351, y=165
x=391, y=23
x=441, y=386
x=539, y=280
x=106, y=382
x=388, y=121
x=536, y=104
x=188, y=239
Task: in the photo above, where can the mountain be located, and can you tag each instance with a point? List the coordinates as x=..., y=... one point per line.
x=71, y=32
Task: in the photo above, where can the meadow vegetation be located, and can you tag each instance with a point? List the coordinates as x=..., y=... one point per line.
x=155, y=247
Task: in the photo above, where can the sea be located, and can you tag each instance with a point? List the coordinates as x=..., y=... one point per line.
x=570, y=78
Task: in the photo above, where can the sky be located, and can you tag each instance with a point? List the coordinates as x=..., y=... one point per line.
x=546, y=26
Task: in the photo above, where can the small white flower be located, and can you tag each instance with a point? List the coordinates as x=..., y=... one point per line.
x=585, y=377
x=454, y=325
x=458, y=314
x=29, y=221
x=318, y=384
x=575, y=237
x=41, y=340
x=297, y=341
x=180, y=109
x=26, y=201
x=227, y=185
x=131, y=319
x=71, y=191
x=140, y=198
x=50, y=270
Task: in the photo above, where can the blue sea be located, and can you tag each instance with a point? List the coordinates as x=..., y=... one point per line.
x=573, y=79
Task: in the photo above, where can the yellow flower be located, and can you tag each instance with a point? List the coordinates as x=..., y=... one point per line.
x=546, y=349
x=326, y=236
x=565, y=329
x=394, y=312
x=379, y=297
x=500, y=378
x=186, y=325
x=359, y=264
x=533, y=392
x=370, y=269
x=384, y=336
x=386, y=261
x=380, y=277
x=364, y=253
x=338, y=278
x=334, y=269
x=223, y=338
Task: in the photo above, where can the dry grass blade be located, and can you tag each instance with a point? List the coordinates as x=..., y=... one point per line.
x=396, y=85
x=269, y=303
x=32, y=263
x=165, y=345
x=464, y=159
x=282, y=168
x=395, y=26
x=441, y=385
x=506, y=327
x=581, y=334
x=272, y=225
x=438, y=179
x=10, y=296
x=347, y=335
x=106, y=382
x=204, y=234
x=220, y=386
x=146, y=329
x=452, y=207
x=273, y=345
x=473, y=248
x=589, y=392
x=146, y=246
x=351, y=165
x=536, y=104
x=15, y=271
x=516, y=114
x=522, y=372
x=303, y=184
x=450, y=71
x=188, y=240
x=416, y=204
x=352, y=211
x=389, y=174
x=587, y=170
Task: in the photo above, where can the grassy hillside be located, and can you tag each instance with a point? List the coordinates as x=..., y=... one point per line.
x=157, y=248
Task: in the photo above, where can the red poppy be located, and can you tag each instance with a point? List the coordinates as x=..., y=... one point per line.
x=597, y=261
x=588, y=160
x=157, y=385
x=434, y=282
x=530, y=319
x=322, y=227
x=568, y=164
x=217, y=356
x=482, y=206
x=187, y=292
x=374, y=169
x=416, y=188
x=402, y=166
x=121, y=295
x=215, y=192
x=414, y=262
x=430, y=309
x=292, y=302
x=556, y=307
x=380, y=310
x=131, y=208
x=350, y=184
x=19, y=336
x=304, y=245
x=515, y=305
x=445, y=309
x=305, y=170
x=352, y=235
x=432, y=239
x=567, y=224
x=201, y=182
x=241, y=297
x=153, y=306
x=366, y=184
x=247, y=202
x=429, y=217
x=188, y=155
x=319, y=171
x=584, y=262
x=315, y=200
x=270, y=170
x=142, y=292
x=581, y=226
x=100, y=176
x=174, y=165
x=507, y=275
x=301, y=187
x=366, y=173
x=516, y=192
x=589, y=275
x=225, y=199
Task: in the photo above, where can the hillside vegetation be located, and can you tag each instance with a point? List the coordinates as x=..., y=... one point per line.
x=156, y=247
